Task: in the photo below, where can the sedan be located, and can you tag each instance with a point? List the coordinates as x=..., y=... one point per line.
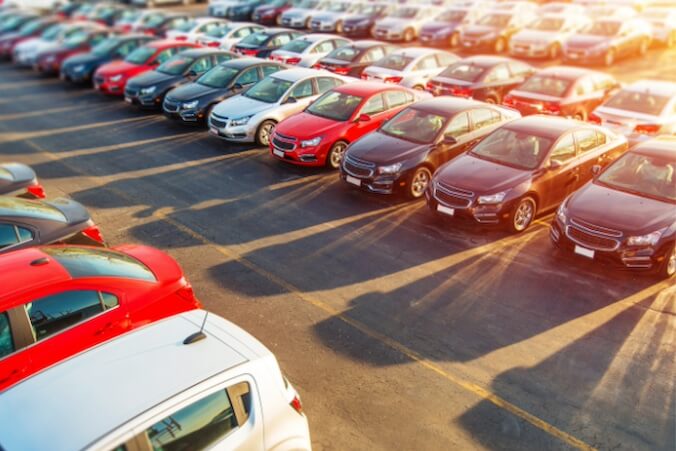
x=253, y=115
x=159, y=23
x=227, y=35
x=404, y=23
x=352, y=59
x=319, y=135
x=15, y=21
x=402, y=155
x=362, y=23
x=30, y=30
x=306, y=50
x=49, y=62
x=270, y=13
x=331, y=19
x=493, y=31
x=148, y=89
x=20, y=180
x=263, y=42
x=625, y=216
x=412, y=67
x=193, y=102
x=522, y=169
x=26, y=53
x=544, y=38
x=482, y=77
x=444, y=30
x=192, y=30
x=300, y=15
x=58, y=301
x=563, y=91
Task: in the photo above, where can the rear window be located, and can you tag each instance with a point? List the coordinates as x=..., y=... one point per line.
x=88, y=262
x=14, y=207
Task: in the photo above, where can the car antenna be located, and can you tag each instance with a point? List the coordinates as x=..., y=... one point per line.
x=199, y=335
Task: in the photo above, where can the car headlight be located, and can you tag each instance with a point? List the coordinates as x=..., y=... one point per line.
x=492, y=198
x=391, y=169
x=190, y=105
x=116, y=78
x=241, y=121
x=561, y=214
x=645, y=240
x=79, y=68
x=148, y=91
x=311, y=142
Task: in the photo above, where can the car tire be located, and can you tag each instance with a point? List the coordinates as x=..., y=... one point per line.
x=554, y=51
x=454, y=40
x=409, y=35
x=264, y=132
x=500, y=45
x=643, y=47
x=522, y=215
x=278, y=20
x=209, y=110
x=668, y=267
x=419, y=87
x=492, y=99
x=580, y=115
x=307, y=23
x=339, y=27
x=415, y=188
x=335, y=155
x=609, y=58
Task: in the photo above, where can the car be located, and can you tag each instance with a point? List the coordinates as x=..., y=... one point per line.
x=17, y=179
x=263, y=42
x=58, y=301
x=544, y=37
x=624, y=217
x=32, y=29
x=402, y=155
x=640, y=111
x=148, y=89
x=83, y=11
x=522, y=169
x=253, y=115
x=563, y=91
x=111, y=78
x=15, y=21
x=80, y=68
x=229, y=394
x=26, y=53
x=494, y=29
x=130, y=20
x=331, y=19
x=193, y=102
x=229, y=34
x=49, y=62
x=608, y=40
x=319, y=135
x=663, y=22
x=270, y=13
x=412, y=67
x=30, y=222
x=66, y=10
x=159, y=23
x=362, y=23
x=299, y=16
x=191, y=30
x=306, y=50
x=481, y=77
x=353, y=58
x=404, y=23
x=444, y=30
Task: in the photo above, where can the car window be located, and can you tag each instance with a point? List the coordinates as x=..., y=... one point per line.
x=246, y=31
x=324, y=47
x=211, y=27
x=303, y=89
x=445, y=59
x=8, y=235
x=603, y=83
x=165, y=55
x=499, y=73
x=375, y=105
x=24, y=234
x=97, y=39
x=6, y=340
x=397, y=98
x=326, y=83
x=201, y=65
x=519, y=69
x=484, y=117
x=267, y=70
x=248, y=76
x=373, y=55
x=196, y=426
x=584, y=87
x=458, y=126
x=92, y=262
x=126, y=48
x=600, y=138
x=564, y=150
x=52, y=314
x=586, y=140
x=427, y=63
x=281, y=40
x=222, y=57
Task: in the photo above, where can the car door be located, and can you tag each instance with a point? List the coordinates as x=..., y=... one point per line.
x=560, y=174
x=591, y=152
x=459, y=129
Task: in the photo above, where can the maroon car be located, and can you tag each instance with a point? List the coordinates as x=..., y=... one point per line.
x=625, y=217
x=523, y=168
x=83, y=41
x=29, y=30
x=563, y=91
x=270, y=13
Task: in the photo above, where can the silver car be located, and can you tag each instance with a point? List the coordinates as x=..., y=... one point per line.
x=332, y=18
x=253, y=115
x=404, y=23
x=412, y=67
x=306, y=50
x=544, y=38
x=226, y=36
x=301, y=15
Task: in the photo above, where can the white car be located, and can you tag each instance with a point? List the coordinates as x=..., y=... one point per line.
x=253, y=115
x=606, y=11
x=412, y=67
x=156, y=388
x=26, y=53
x=227, y=35
x=306, y=50
x=404, y=23
x=192, y=30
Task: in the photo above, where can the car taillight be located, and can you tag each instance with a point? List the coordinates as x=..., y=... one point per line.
x=36, y=190
x=293, y=61
x=461, y=92
x=647, y=129
x=363, y=76
x=94, y=233
x=509, y=101
x=297, y=405
x=341, y=70
x=186, y=292
x=551, y=108
x=181, y=38
x=212, y=44
x=429, y=86
x=393, y=79
x=594, y=119
x=316, y=66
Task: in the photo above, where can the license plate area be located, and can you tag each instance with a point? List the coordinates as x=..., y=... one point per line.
x=583, y=251
x=446, y=210
x=353, y=180
x=278, y=153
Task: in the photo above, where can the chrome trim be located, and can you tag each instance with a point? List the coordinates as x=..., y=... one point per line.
x=595, y=229
x=366, y=165
x=591, y=246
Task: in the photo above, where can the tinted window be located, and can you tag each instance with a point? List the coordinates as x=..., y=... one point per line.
x=302, y=90
x=513, y=148
x=175, y=65
x=218, y=77
x=6, y=341
x=483, y=117
x=458, y=126
x=650, y=175
x=24, y=234
x=7, y=235
x=165, y=55
x=10, y=206
x=564, y=150
x=375, y=105
x=140, y=55
x=586, y=140
x=414, y=125
x=249, y=76
x=326, y=83
x=196, y=426
x=396, y=98
x=89, y=262
x=267, y=70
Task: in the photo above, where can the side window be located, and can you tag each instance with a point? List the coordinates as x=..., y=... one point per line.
x=249, y=76
x=6, y=340
x=126, y=48
x=565, y=149
x=196, y=426
x=302, y=90
x=222, y=58
x=458, y=126
x=213, y=26
x=97, y=39
x=584, y=87
x=499, y=73
x=243, y=32
x=519, y=69
x=24, y=234
x=11, y=234
x=600, y=138
x=281, y=40
x=267, y=70
x=201, y=65
x=375, y=105
x=326, y=83
x=52, y=314
x=373, y=55
x=396, y=98
x=324, y=47
x=445, y=59
x=586, y=140
x=483, y=117
x=427, y=63
x=165, y=55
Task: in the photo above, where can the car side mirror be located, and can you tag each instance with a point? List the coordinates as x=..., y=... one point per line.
x=554, y=164
x=237, y=86
x=191, y=74
x=596, y=170
x=363, y=118
x=291, y=99
x=449, y=140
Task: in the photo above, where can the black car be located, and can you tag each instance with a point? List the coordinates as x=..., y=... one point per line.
x=20, y=180
x=362, y=24
x=352, y=59
x=148, y=89
x=404, y=153
x=192, y=102
x=80, y=68
x=262, y=43
x=482, y=77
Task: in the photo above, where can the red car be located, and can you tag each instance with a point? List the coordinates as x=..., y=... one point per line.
x=83, y=41
x=112, y=78
x=320, y=134
x=57, y=301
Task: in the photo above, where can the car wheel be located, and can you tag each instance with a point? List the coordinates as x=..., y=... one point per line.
x=522, y=215
x=335, y=156
x=580, y=115
x=278, y=20
x=264, y=133
x=409, y=35
x=339, y=27
x=609, y=59
x=419, y=181
x=419, y=87
x=668, y=267
x=307, y=23
x=644, y=47
x=491, y=99
x=554, y=51
x=500, y=45
x=209, y=110
x=454, y=41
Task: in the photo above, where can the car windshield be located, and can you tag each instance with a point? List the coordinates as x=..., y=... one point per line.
x=495, y=20
x=463, y=71
x=268, y=90
x=604, y=28
x=186, y=26
x=52, y=32
x=414, y=125
x=218, y=77
x=405, y=13
x=638, y=102
x=175, y=65
x=140, y=55
x=92, y=262
x=12, y=206
x=335, y=105
x=106, y=46
x=513, y=148
x=30, y=27
x=76, y=39
x=347, y=53
x=296, y=46
x=547, y=24
x=453, y=15
x=641, y=174
x=550, y=86
x=255, y=39
x=394, y=61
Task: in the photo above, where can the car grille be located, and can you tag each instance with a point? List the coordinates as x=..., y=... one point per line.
x=357, y=167
x=170, y=106
x=452, y=196
x=593, y=236
x=283, y=142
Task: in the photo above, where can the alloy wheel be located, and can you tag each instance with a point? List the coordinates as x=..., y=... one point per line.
x=523, y=215
x=336, y=154
x=419, y=182
x=670, y=268
x=265, y=132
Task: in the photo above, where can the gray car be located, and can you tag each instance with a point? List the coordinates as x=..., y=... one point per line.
x=301, y=15
x=17, y=179
x=544, y=37
x=404, y=23
x=25, y=223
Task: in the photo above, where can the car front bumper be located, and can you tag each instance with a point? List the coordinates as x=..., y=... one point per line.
x=241, y=133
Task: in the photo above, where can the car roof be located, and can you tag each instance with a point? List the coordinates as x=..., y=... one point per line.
x=167, y=43
x=485, y=60
x=110, y=384
x=568, y=72
x=241, y=63
x=274, y=30
x=315, y=37
x=547, y=126
x=299, y=74
x=18, y=275
x=658, y=87
x=416, y=52
x=365, y=88
x=201, y=51
x=662, y=146
x=447, y=105
x=29, y=208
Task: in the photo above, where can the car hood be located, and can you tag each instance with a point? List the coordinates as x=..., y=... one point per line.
x=117, y=67
x=22, y=175
x=534, y=36
x=436, y=27
x=304, y=125
x=152, y=77
x=392, y=23
x=239, y=106
x=481, y=176
x=598, y=205
x=380, y=148
x=74, y=212
x=480, y=30
x=585, y=41
x=193, y=91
